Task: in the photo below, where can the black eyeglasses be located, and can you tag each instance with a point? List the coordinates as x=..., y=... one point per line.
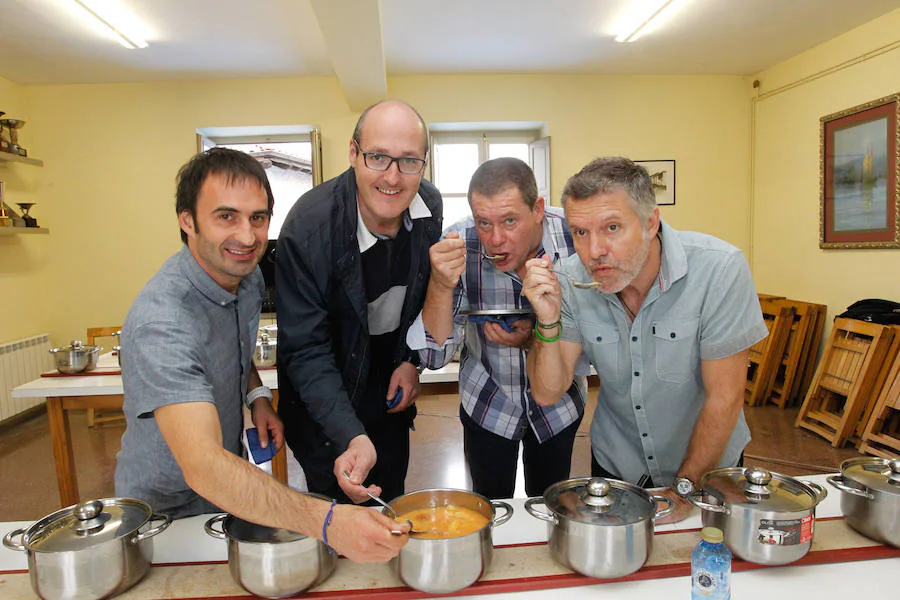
x=382, y=162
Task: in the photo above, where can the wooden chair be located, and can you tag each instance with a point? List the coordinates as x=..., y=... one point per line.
x=803, y=339
x=765, y=355
x=845, y=378
x=881, y=434
x=93, y=417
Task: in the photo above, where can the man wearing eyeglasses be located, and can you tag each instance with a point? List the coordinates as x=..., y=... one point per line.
x=351, y=271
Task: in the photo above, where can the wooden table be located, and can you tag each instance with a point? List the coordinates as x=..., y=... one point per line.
x=105, y=392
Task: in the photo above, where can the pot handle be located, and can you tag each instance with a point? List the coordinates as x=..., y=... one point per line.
x=838, y=482
x=216, y=533
x=694, y=498
x=166, y=521
x=507, y=514
x=7, y=540
x=670, y=506
x=529, y=506
x=818, y=490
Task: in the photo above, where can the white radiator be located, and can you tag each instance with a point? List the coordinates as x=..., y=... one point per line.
x=20, y=362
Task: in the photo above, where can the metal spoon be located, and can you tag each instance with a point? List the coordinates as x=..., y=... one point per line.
x=492, y=257
x=389, y=508
x=581, y=285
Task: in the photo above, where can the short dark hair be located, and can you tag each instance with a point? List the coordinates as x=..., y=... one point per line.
x=494, y=176
x=357, y=131
x=234, y=164
x=604, y=175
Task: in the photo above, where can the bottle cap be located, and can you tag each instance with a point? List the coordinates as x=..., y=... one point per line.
x=713, y=535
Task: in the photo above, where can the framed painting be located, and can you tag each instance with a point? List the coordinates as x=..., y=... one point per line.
x=662, y=175
x=859, y=163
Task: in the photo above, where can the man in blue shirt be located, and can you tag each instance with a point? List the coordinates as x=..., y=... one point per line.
x=510, y=225
x=667, y=327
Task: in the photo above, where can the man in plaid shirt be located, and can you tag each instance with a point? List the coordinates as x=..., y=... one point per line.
x=478, y=266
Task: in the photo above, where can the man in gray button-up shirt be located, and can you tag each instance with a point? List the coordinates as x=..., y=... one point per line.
x=667, y=326
x=187, y=345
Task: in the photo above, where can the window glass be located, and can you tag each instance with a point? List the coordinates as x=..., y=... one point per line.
x=453, y=166
x=519, y=151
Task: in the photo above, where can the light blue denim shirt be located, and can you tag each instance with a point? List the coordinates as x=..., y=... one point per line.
x=703, y=306
x=185, y=339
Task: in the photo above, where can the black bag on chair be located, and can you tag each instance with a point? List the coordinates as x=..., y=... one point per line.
x=874, y=310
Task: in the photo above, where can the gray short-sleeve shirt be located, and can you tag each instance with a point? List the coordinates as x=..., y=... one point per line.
x=703, y=307
x=185, y=339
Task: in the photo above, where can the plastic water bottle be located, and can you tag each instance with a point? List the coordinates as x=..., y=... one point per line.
x=711, y=567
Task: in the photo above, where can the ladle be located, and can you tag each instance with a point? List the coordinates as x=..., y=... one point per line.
x=390, y=508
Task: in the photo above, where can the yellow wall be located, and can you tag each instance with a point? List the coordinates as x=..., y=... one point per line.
x=787, y=258
x=111, y=153
x=23, y=258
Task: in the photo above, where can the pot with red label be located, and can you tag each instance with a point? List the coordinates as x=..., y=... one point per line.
x=767, y=518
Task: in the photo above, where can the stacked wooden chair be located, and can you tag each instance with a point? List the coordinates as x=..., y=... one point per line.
x=846, y=378
x=881, y=433
x=798, y=362
x=766, y=355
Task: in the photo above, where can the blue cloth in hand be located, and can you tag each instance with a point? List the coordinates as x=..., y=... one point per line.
x=260, y=454
x=504, y=322
x=396, y=399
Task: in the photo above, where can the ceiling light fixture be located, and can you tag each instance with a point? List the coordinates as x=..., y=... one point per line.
x=641, y=14
x=115, y=21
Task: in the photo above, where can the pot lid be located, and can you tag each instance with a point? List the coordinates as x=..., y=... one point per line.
x=599, y=501
x=245, y=531
x=874, y=473
x=76, y=345
x=760, y=489
x=87, y=524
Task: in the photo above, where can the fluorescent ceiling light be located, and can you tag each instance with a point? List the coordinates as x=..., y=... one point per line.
x=123, y=26
x=638, y=18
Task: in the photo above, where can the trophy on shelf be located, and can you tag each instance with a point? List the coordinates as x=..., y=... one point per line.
x=29, y=220
x=5, y=219
x=13, y=125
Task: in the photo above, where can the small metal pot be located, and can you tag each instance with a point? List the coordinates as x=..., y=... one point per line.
x=767, y=518
x=871, y=498
x=270, y=562
x=91, y=550
x=447, y=565
x=600, y=527
x=265, y=353
x=76, y=357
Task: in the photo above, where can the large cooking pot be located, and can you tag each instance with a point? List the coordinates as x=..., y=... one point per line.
x=446, y=565
x=767, y=518
x=599, y=527
x=266, y=351
x=871, y=498
x=271, y=562
x=91, y=550
x=76, y=357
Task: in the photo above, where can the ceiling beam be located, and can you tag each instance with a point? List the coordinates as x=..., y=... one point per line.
x=352, y=32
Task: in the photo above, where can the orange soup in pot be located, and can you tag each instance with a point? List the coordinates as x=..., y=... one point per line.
x=440, y=522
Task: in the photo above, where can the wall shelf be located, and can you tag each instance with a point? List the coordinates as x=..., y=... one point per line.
x=15, y=230
x=10, y=157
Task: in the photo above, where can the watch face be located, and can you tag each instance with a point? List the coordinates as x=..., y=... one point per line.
x=683, y=486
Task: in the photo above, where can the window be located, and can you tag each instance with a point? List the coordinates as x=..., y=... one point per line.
x=456, y=153
x=290, y=156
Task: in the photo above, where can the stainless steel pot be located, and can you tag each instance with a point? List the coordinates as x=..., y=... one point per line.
x=871, y=498
x=76, y=357
x=447, y=565
x=600, y=527
x=266, y=351
x=270, y=562
x=91, y=550
x=767, y=518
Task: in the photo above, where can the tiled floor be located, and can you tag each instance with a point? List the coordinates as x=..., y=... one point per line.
x=28, y=479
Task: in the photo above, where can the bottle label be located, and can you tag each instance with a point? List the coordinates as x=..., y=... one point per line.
x=785, y=532
x=704, y=582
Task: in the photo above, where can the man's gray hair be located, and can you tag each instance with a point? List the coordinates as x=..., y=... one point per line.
x=611, y=173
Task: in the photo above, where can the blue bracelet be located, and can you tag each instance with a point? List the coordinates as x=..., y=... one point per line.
x=326, y=524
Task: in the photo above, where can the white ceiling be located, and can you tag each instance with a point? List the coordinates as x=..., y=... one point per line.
x=365, y=41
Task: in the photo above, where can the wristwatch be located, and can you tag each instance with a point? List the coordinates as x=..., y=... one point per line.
x=684, y=486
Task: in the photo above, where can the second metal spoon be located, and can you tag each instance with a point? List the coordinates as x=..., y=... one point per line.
x=389, y=508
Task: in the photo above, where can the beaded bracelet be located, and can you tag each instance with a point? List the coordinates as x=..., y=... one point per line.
x=537, y=333
x=326, y=524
